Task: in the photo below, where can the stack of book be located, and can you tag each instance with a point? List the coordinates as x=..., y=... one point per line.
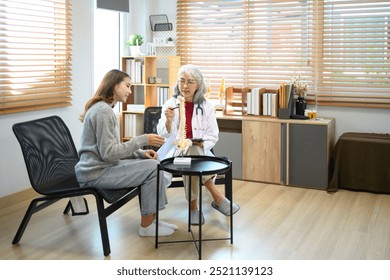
x=133, y=125
x=162, y=95
x=261, y=101
x=254, y=101
x=285, y=101
x=134, y=70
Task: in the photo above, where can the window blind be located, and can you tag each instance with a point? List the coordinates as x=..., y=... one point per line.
x=212, y=35
x=355, y=57
x=339, y=47
x=35, y=57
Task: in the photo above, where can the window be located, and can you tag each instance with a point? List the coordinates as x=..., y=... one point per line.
x=340, y=47
x=35, y=57
x=107, y=44
x=354, y=61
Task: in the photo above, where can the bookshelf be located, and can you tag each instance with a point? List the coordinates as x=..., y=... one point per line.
x=153, y=80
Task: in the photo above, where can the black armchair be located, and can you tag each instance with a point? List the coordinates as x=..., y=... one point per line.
x=50, y=157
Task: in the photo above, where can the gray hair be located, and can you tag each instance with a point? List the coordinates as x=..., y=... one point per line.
x=195, y=73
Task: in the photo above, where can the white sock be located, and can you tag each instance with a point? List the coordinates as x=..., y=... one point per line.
x=161, y=223
x=150, y=231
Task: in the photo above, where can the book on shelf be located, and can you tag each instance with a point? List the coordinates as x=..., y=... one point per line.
x=265, y=104
x=151, y=49
x=133, y=125
x=270, y=105
x=286, y=95
x=254, y=101
x=285, y=91
x=273, y=105
x=135, y=108
x=134, y=69
x=162, y=95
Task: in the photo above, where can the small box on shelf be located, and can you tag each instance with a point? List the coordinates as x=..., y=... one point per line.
x=236, y=101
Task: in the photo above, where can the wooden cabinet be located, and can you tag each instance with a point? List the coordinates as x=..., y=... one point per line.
x=310, y=148
x=149, y=75
x=286, y=152
x=261, y=151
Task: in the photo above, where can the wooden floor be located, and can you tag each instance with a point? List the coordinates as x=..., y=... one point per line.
x=274, y=223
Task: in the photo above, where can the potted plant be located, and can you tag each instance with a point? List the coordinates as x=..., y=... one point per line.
x=134, y=42
x=300, y=89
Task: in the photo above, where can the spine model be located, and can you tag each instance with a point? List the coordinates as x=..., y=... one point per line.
x=182, y=142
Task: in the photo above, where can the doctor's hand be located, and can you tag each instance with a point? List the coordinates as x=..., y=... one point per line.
x=169, y=113
x=155, y=140
x=197, y=143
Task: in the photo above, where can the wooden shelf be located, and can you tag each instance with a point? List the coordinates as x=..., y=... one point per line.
x=145, y=93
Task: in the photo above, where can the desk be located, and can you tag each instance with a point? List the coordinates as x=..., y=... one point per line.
x=278, y=151
x=200, y=166
x=362, y=163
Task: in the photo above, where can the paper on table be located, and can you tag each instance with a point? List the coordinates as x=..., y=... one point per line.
x=167, y=149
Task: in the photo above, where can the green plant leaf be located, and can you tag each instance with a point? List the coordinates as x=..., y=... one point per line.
x=135, y=40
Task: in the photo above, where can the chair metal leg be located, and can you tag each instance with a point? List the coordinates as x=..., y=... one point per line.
x=26, y=219
x=229, y=195
x=67, y=208
x=32, y=208
x=103, y=226
x=200, y=213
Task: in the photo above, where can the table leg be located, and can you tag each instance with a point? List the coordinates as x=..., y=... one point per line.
x=228, y=181
x=200, y=216
x=189, y=202
x=157, y=204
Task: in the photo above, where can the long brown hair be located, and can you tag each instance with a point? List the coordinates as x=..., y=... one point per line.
x=105, y=91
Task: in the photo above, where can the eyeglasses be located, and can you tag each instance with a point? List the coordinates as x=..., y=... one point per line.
x=190, y=83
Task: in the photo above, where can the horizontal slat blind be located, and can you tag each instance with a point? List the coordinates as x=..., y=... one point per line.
x=249, y=43
x=212, y=35
x=356, y=57
x=341, y=48
x=279, y=42
x=35, y=58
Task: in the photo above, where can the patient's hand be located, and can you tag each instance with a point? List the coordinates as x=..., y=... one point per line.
x=151, y=154
x=155, y=140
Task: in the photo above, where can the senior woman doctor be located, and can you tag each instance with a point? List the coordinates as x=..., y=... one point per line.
x=201, y=123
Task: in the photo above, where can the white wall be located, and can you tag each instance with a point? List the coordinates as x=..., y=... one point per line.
x=13, y=173
x=357, y=119
x=140, y=10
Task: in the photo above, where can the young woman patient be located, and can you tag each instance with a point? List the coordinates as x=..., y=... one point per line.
x=106, y=162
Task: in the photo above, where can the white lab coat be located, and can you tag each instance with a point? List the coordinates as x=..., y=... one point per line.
x=204, y=126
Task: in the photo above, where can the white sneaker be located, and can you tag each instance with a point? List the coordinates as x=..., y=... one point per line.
x=150, y=231
x=165, y=224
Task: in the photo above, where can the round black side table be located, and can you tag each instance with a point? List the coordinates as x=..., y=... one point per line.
x=200, y=166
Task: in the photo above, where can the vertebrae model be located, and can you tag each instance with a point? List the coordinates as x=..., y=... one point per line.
x=182, y=142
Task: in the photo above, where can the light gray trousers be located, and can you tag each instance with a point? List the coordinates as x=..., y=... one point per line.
x=132, y=173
